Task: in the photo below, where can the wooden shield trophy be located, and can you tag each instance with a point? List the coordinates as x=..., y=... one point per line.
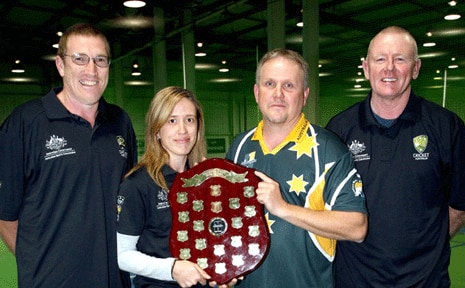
x=217, y=220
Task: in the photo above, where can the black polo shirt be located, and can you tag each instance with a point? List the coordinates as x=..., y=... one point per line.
x=411, y=173
x=146, y=212
x=65, y=202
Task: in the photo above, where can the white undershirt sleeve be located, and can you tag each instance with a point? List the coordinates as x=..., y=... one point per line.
x=133, y=261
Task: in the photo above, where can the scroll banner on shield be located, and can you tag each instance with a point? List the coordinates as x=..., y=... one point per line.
x=217, y=220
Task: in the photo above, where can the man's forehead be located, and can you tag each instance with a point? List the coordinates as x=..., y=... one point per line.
x=391, y=44
x=78, y=41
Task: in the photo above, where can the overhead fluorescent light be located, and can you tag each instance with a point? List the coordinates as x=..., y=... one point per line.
x=138, y=83
x=17, y=67
x=452, y=15
x=134, y=4
x=19, y=79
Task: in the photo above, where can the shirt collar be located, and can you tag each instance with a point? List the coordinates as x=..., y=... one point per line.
x=411, y=112
x=56, y=110
x=167, y=170
x=296, y=135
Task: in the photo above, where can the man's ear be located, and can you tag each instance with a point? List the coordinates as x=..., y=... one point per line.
x=60, y=65
x=416, y=69
x=255, y=92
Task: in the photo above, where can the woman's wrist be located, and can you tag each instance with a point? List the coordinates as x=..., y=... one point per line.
x=172, y=268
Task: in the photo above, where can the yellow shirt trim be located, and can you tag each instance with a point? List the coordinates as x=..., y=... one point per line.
x=296, y=135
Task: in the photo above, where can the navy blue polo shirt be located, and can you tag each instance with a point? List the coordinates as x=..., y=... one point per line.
x=63, y=190
x=411, y=171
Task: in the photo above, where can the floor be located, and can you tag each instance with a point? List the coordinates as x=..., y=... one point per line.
x=457, y=261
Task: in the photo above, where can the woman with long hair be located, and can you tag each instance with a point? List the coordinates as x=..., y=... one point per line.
x=174, y=142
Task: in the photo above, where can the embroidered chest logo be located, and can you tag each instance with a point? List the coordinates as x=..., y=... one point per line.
x=57, y=145
x=119, y=206
x=357, y=187
x=420, y=143
x=122, y=146
x=249, y=160
x=357, y=149
x=162, y=202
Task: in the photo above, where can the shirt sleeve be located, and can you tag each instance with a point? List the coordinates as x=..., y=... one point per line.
x=133, y=261
x=131, y=207
x=457, y=191
x=132, y=158
x=11, y=176
x=345, y=186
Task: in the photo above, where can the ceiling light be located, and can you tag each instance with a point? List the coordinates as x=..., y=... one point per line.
x=135, y=72
x=59, y=28
x=17, y=67
x=134, y=4
x=203, y=66
x=223, y=69
x=200, y=52
x=429, y=44
x=135, y=69
x=456, y=78
x=20, y=79
x=300, y=21
x=49, y=57
x=138, y=22
x=431, y=55
x=452, y=15
x=138, y=83
x=225, y=80
x=59, y=33
x=453, y=66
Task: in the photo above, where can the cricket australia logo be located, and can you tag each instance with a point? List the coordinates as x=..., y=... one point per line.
x=420, y=143
x=57, y=145
x=357, y=149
